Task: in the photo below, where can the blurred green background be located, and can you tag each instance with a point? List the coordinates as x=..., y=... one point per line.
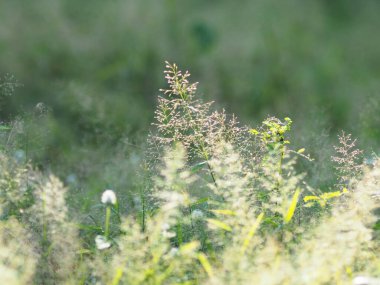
x=97, y=66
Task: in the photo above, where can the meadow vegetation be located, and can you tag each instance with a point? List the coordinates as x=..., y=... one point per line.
x=205, y=200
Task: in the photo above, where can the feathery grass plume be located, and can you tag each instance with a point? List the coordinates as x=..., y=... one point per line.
x=370, y=185
x=340, y=247
x=16, y=182
x=50, y=204
x=8, y=85
x=17, y=255
x=343, y=243
x=233, y=187
x=9, y=134
x=236, y=220
x=155, y=256
x=270, y=264
x=348, y=161
x=58, y=236
x=180, y=117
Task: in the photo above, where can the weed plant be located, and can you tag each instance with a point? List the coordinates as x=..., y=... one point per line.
x=217, y=203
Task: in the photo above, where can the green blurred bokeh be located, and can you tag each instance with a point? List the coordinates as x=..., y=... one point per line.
x=97, y=67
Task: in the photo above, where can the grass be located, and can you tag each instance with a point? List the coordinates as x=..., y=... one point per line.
x=211, y=202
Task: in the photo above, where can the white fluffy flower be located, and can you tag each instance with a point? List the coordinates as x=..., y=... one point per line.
x=173, y=251
x=109, y=197
x=197, y=214
x=363, y=280
x=101, y=242
x=165, y=231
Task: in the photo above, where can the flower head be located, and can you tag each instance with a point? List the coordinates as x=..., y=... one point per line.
x=109, y=197
x=101, y=242
x=165, y=231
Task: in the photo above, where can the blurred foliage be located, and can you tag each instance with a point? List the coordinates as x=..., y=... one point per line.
x=97, y=65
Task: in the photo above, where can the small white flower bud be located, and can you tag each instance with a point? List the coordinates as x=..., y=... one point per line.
x=165, y=231
x=101, y=242
x=364, y=280
x=109, y=197
x=173, y=251
x=197, y=214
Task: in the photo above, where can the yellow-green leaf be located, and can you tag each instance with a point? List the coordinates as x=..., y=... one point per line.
x=224, y=212
x=189, y=247
x=311, y=198
x=219, y=224
x=83, y=251
x=205, y=264
x=254, y=132
x=252, y=231
x=118, y=275
x=329, y=195
x=293, y=205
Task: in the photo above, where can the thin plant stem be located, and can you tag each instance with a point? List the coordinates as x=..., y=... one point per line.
x=143, y=213
x=212, y=174
x=107, y=223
